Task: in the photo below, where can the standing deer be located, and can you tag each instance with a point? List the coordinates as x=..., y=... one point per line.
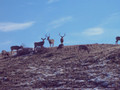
x=16, y=48
x=61, y=40
x=51, y=41
x=36, y=44
x=117, y=39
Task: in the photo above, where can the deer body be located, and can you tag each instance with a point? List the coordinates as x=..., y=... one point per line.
x=36, y=44
x=51, y=41
x=117, y=39
x=61, y=40
x=16, y=48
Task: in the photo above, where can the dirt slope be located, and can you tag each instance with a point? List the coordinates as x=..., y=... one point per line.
x=67, y=68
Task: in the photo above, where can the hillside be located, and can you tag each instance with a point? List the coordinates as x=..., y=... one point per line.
x=66, y=68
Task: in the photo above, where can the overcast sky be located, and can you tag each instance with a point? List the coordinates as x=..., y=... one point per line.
x=83, y=21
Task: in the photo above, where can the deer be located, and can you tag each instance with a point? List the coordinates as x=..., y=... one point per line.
x=5, y=53
x=117, y=39
x=51, y=41
x=84, y=48
x=60, y=46
x=25, y=51
x=36, y=44
x=62, y=40
x=16, y=48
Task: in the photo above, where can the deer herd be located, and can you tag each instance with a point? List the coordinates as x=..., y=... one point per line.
x=36, y=45
x=41, y=45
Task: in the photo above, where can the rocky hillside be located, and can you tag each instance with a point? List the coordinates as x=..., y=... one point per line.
x=66, y=68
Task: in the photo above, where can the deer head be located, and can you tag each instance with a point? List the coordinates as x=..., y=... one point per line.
x=61, y=35
x=43, y=39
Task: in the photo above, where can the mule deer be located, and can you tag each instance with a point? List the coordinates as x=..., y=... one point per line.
x=51, y=41
x=36, y=44
x=61, y=40
x=16, y=48
x=84, y=48
x=117, y=39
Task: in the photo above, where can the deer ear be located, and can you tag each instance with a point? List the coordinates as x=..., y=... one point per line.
x=42, y=38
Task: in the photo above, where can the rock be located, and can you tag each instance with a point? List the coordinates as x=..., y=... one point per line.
x=5, y=79
x=60, y=46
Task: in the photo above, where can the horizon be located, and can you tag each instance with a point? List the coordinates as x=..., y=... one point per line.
x=24, y=22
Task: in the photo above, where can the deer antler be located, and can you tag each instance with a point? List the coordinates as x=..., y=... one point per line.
x=43, y=38
x=64, y=34
x=61, y=36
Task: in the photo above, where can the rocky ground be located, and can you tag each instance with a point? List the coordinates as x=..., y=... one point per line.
x=66, y=68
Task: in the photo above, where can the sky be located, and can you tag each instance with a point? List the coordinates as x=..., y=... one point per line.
x=23, y=22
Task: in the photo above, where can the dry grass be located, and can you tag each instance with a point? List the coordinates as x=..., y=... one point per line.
x=66, y=68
